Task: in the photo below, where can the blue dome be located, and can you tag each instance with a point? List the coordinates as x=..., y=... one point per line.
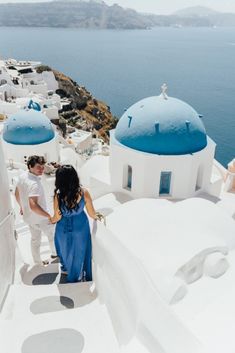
x=159, y=125
x=28, y=127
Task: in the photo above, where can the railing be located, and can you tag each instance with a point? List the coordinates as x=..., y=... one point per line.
x=10, y=214
x=10, y=163
x=7, y=255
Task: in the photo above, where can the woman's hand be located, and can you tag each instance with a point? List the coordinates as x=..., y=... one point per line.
x=53, y=220
x=100, y=217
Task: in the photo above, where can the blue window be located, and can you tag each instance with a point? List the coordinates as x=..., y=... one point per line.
x=129, y=177
x=165, y=183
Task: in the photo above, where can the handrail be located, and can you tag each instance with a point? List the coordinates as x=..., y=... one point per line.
x=15, y=165
x=10, y=214
x=222, y=171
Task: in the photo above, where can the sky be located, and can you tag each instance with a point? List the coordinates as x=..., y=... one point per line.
x=162, y=6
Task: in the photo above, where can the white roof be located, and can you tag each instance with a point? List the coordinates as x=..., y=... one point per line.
x=166, y=235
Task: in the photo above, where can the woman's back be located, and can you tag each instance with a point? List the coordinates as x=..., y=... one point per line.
x=73, y=241
x=72, y=235
x=73, y=211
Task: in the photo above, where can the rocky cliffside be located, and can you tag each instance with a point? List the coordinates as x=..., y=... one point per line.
x=81, y=109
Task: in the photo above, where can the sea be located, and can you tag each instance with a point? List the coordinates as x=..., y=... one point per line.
x=121, y=67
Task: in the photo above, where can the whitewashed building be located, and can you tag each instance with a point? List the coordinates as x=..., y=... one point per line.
x=29, y=132
x=160, y=149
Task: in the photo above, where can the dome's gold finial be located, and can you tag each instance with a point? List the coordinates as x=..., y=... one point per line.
x=164, y=89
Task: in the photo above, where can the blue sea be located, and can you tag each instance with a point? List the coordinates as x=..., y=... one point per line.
x=122, y=67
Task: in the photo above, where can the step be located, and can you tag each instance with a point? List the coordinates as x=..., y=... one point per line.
x=29, y=301
x=63, y=318
x=59, y=318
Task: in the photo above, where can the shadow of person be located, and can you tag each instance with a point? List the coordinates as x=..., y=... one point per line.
x=45, y=278
x=55, y=341
x=39, y=275
x=51, y=304
x=65, y=297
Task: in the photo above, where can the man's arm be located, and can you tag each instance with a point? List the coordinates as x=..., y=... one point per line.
x=35, y=207
x=17, y=196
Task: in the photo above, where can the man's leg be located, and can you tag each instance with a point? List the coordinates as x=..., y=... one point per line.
x=49, y=231
x=35, y=242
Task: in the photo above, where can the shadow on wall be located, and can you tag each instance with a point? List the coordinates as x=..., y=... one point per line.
x=54, y=341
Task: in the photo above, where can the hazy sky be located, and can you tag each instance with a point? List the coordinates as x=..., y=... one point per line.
x=162, y=6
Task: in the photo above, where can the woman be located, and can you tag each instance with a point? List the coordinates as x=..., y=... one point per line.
x=72, y=234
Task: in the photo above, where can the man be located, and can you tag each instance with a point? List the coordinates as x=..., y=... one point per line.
x=32, y=201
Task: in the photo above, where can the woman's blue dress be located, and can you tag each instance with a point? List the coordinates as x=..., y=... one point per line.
x=73, y=242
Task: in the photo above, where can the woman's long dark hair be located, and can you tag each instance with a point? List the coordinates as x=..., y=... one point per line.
x=67, y=186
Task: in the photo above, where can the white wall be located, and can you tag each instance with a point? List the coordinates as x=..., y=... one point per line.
x=5, y=76
x=147, y=168
x=18, y=152
x=39, y=88
x=50, y=80
x=132, y=299
x=46, y=77
x=51, y=112
x=7, y=244
x=14, y=91
x=8, y=108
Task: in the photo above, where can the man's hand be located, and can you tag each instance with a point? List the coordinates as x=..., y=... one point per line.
x=50, y=220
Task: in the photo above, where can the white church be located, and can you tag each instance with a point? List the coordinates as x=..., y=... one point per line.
x=159, y=149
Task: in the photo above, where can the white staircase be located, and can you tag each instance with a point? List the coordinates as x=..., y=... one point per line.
x=42, y=313
x=55, y=318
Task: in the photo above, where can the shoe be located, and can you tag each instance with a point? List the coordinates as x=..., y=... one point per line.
x=54, y=257
x=64, y=272
x=45, y=262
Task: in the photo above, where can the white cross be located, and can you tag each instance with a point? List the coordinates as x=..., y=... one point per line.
x=164, y=89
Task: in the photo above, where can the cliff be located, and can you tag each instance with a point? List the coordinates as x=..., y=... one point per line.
x=71, y=13
x=81, y=109
x=99, y=15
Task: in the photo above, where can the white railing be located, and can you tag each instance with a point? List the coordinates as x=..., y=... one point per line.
x=10, y=163
x=10, y=214
x=7, y=255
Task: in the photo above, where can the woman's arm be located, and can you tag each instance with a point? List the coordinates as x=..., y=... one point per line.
x=89, y=206
x=57, y=214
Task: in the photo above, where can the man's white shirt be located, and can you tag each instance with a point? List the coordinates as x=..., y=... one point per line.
x=30, y=185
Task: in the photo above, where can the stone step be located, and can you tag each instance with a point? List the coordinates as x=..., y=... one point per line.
x=58, y=318
x=27, y=300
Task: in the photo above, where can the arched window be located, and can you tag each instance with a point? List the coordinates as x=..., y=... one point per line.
x=165, y=183
x=199, y=178
x=127, y=177
x=3, y=82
